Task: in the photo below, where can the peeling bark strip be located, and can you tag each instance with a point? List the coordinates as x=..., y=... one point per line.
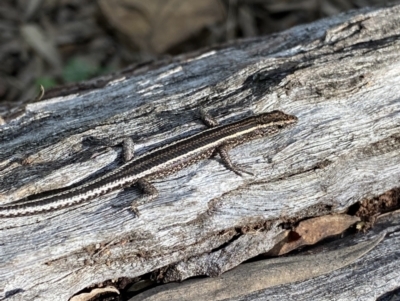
x=339, y=76
x=255, y=276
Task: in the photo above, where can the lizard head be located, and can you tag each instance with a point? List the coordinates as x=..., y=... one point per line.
x=276, y=118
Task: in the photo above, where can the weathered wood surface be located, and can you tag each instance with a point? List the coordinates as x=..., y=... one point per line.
x=339, y=76
x=271, y=279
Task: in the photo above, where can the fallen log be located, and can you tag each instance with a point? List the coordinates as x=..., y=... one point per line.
x=338, y=76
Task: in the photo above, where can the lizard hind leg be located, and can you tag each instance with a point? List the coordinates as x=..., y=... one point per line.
x=207, y=119
x=150, y=193
x=223, y=153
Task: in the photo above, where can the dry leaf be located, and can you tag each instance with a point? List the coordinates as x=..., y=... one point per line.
x=93, y=293
x=156, y=25
x=313, y=230
x=37, y=39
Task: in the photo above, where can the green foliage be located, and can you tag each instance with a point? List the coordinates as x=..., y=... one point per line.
x=78, y=69
x=75, y=70
x=46, y=81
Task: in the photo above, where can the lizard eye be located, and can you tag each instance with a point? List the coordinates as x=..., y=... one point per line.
x=264, y=119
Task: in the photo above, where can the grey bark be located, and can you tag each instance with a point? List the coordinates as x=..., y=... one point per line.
x=339, y=76
x=266, y=279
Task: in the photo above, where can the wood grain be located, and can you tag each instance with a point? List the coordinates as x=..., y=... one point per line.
x=339, y=76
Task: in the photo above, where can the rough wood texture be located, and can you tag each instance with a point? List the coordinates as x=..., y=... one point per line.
x=361, y=279
x=339, y=76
